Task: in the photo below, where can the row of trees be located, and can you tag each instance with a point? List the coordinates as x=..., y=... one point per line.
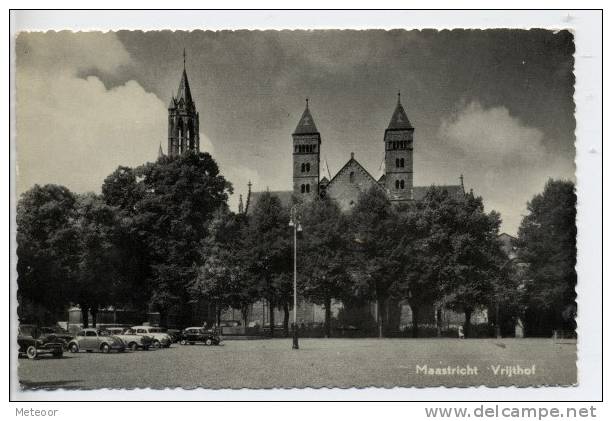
x=161, y=237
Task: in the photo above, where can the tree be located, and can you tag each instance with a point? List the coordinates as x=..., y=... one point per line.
x=221, y=279
x=47, y=245
x=375, y=239
x=166, y=207
x=417, y=280
x=462, y=249
x=99, y=281
x=322, y=255
x=547, y=243
x=268, y=251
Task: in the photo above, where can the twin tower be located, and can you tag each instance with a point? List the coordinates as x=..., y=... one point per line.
x=183, y=135
x=397, y=179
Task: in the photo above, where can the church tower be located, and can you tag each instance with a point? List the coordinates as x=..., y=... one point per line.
x=306, y=153
x=183, y=120
x=398, y=155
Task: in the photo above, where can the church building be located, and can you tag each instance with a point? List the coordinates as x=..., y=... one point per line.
x=353, y=179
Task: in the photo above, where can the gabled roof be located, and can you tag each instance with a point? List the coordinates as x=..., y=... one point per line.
x=419, y=192
x=399, y=119
x=352, y=162
x=306, y=124
x=285, y=197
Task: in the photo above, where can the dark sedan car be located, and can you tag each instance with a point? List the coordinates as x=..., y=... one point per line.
x=191, y=335
x=33, y=343
x=58, y=332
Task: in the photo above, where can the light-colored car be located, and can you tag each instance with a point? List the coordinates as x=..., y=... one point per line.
x=160, y=339
x=131, y=339
x=95, y=340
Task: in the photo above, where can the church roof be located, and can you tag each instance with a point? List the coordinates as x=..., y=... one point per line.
x=419, y=192
x=285, y=197
x=399, y=120
x=306, y=124
x=355, y=164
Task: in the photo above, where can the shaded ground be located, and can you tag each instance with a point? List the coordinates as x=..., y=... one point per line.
x=318, y=363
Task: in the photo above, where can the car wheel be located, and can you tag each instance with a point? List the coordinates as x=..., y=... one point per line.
x=32, y=352
x=208, y=341
x=133, y=346
x=156, y=344
x=73, y=348
x=105, y=348
x=183, y=342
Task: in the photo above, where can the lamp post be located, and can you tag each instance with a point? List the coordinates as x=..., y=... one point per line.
x=294, y=222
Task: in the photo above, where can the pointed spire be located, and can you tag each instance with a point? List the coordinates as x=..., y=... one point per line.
x=248, y=199
x=399, y=120
x=160, y=152
x=184, y=91
x=240, y=205
x=306, y=124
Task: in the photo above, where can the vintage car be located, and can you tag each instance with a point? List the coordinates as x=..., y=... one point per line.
x=92, y=339
x=175, y=334
x=191, y=335
x=58, y=332
x=160, y=339
x=130, y=338
x=33, y=343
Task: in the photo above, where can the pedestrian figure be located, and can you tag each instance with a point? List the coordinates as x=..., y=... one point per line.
x=460, y=332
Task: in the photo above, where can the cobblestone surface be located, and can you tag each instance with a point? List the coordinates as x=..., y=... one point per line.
x=318, y=363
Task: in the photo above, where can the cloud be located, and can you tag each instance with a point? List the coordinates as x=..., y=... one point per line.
x=73, y=130
x=503, y=160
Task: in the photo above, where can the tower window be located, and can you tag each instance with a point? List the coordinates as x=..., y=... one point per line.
x=307, y=188
x=397, y=184
x=352, y=177
x=401, y=162
x=308, y=167
x=397, y=162
x=401, y=184
x=303, y=168
x=302, y=188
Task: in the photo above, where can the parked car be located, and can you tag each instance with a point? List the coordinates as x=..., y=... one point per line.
x=160, y=339
x=175, y=334
x=132, y=340
x=58, y=332
x=191, y=335
x=95, y=340
x=33, y=343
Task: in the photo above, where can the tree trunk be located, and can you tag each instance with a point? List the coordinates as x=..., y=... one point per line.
x=85, y=315
x=379, y=318
x=271, y=310
x=245, y=315
x=327, y=317
x=286, y=320
x=415, y=320
x=163, y=317
x=218, y=316
x=94, y=315
x=468, y=322
x=438, y=322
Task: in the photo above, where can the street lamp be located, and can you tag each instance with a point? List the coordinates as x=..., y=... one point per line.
x=294, y=222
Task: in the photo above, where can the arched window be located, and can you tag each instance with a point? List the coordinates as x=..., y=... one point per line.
x=352, y=177
x=401, y=162
x=303, y=167
x=397, y=162
x=401, y=184
x=302, y=188
x=307, y=188
x=308, y=167
x=397, y=184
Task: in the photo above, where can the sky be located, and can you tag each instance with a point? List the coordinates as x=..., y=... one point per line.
x=496, y=105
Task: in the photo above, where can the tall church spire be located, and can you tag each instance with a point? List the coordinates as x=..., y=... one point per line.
x=399, y=119
x=306, y=125
x=183, y=118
